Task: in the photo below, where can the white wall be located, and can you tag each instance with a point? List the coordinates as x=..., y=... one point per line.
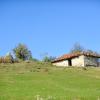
x=78, y=61
x=61, y=63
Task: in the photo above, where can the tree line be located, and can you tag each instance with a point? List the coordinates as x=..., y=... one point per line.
x=22, y=53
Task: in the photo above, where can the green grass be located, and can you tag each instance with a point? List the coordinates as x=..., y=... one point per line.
x=30, y=81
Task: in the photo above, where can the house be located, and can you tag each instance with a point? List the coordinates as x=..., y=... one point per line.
x=77, y=59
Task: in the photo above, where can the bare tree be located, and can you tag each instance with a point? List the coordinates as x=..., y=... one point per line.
x=77, y=48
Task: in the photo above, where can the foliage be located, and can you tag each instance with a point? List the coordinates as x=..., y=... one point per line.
x=7, y=59
x=1, y=59
x=21, y=52
x=48, y=58
x=33, y=59
x=77, y=48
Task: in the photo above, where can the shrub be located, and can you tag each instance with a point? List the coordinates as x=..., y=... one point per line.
x=84, y=68
x=7, y=59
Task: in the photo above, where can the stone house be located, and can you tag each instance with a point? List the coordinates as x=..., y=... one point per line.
x=77, y=59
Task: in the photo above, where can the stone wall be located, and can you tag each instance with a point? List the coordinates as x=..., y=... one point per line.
x=91, y=61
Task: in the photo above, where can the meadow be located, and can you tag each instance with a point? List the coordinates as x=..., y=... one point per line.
x=42, y=81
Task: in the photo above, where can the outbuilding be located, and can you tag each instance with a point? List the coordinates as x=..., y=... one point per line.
x=81, y=59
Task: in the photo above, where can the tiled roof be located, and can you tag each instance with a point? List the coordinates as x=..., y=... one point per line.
x=73, y=55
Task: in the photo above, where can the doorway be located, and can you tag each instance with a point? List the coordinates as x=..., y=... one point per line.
x=69, y=62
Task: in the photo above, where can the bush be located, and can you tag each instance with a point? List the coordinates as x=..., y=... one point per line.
x=48, y=59
x=7, y=59
x=84, y=68
x=1, y=60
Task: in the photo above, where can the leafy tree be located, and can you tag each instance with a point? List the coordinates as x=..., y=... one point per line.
x=21, y=52
x=77, y=48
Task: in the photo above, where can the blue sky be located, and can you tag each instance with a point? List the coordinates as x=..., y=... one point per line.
x=49, y=26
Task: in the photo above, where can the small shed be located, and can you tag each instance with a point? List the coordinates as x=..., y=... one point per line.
x=81, y=59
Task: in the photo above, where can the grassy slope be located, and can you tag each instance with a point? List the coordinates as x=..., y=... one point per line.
x=25, y=81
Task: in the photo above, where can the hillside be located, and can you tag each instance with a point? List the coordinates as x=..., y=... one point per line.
x=42, y=81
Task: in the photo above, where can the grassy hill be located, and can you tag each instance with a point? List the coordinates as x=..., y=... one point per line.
x=42, y=81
